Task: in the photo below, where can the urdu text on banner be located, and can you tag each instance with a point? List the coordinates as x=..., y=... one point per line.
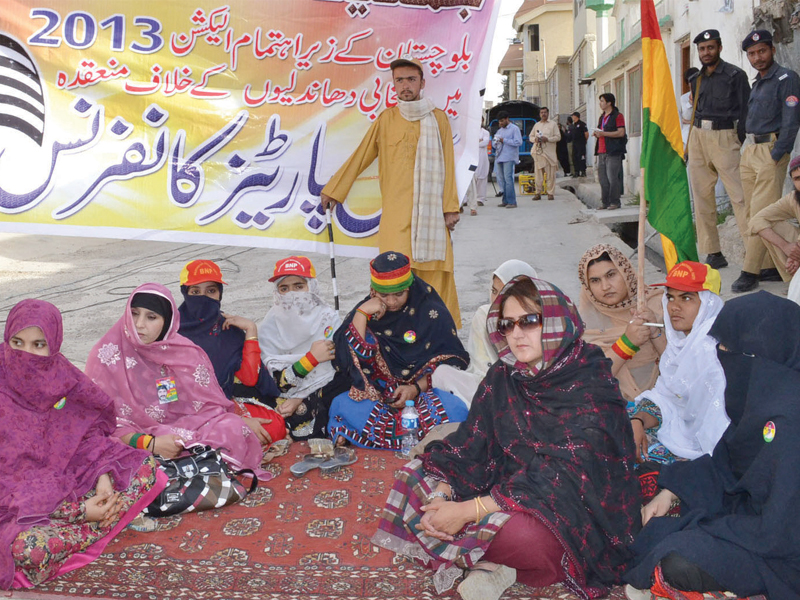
x=199, y=122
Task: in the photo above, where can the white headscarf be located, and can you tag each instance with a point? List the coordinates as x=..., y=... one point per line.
x=482, y=353
x=296, y=320
x=690, y=391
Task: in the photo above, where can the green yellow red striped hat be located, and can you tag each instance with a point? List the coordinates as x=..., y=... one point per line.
x=690, y=276
x=391, y=273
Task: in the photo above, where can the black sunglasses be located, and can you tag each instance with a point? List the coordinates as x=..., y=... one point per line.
x=525, y=322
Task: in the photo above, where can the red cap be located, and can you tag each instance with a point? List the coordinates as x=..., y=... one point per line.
x=294, y=265
x=690, y=276
x=200, y=271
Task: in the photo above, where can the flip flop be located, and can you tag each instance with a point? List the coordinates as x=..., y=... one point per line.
x=341, y=458
x=310, y=461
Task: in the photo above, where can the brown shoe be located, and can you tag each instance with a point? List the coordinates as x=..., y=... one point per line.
x=551, y=197
x=536, y=197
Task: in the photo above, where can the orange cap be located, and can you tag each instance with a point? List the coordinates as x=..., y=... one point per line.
x=294, y=265
x=690, y=276
x=200, y=271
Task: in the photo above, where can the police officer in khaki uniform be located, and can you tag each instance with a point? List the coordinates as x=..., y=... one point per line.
x=721, y=91
x=773, y=119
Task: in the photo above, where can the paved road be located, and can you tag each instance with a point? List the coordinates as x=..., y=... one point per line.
x=90, y=279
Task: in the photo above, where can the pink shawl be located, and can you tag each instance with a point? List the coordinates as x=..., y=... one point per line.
x=128, y=371
x=48, y=454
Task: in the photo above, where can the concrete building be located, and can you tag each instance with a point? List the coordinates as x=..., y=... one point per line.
x=511, y=67
x=545, y=28
x=619, y=64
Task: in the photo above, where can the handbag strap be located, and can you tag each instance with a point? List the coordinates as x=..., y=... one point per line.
x=252, y=474
x=694, y=108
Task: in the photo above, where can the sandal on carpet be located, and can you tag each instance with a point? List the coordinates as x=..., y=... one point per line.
x=276, y=449
x=143, y=523
x=487, y=585
x=342, y=457
x=310, y=461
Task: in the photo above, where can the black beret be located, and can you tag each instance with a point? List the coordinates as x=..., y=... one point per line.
x=707, y=35
x=759, y=36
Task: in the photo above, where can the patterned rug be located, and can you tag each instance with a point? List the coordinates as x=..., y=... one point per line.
x=293, y=538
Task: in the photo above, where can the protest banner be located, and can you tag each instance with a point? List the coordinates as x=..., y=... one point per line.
x=198, y=122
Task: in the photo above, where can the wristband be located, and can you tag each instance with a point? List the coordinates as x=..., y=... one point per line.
x=133, y=442
x=624, y=348
x=304, y=366
x=369, y=316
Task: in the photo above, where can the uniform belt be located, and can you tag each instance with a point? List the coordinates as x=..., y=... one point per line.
x=714, y=124
x=762, y=138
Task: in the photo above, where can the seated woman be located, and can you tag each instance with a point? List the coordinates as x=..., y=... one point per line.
x=607, y=304
x=389, y=346
x=297, y=347
x=482, y=353
x=231, y=343
x=68, y=486
x=683, y=416
x=167, y=398
x=538, y=482
x=738, y=529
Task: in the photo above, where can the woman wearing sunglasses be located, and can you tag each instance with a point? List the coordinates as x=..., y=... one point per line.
x=537, y=485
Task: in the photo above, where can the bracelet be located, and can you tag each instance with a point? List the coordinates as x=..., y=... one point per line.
x=366, y=314
x=483, y=506
x=152, y=445
x=638, y=419
x=438, y=495
x=419, y=389
x=251, y=339
x=477, y=512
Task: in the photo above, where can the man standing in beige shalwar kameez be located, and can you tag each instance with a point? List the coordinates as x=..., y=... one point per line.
x=544, y=136
x=416, y=170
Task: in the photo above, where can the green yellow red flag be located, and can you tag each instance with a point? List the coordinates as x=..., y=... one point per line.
x=666, y=186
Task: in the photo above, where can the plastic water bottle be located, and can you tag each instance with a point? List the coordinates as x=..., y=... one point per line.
x=409, y=419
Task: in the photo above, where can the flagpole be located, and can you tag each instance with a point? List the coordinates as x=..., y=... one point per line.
x=641, y=299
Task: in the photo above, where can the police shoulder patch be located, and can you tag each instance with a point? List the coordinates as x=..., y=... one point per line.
x=792, y=101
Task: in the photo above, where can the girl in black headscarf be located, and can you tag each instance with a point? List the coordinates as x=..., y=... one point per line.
x=738, y=529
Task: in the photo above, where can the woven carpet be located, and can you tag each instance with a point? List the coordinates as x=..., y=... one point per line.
x=293, y=538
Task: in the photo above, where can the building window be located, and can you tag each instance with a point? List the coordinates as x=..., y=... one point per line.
x=634, y=119
x=533, y=30
x=619, y=93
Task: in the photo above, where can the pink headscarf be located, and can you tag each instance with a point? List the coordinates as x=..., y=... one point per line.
x=48, y=454
x=128, y=370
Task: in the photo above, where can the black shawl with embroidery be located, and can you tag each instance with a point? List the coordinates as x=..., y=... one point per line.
x=556, y=443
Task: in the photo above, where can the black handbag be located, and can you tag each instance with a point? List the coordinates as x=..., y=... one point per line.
x=200, y=481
